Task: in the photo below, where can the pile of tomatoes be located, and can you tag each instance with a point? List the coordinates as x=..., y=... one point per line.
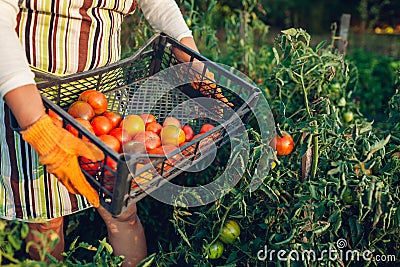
x=134, y=133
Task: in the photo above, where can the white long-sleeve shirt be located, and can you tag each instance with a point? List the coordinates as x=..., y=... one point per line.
x=69, y=45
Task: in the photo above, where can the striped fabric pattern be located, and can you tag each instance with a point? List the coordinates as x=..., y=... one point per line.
x=69, y=36
x=60, y=37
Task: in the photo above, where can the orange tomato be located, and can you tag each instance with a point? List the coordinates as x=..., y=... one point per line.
x=172, y=135
x=133, y=124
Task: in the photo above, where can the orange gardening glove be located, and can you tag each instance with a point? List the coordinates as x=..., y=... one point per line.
x=59, y=150
x=208, y=87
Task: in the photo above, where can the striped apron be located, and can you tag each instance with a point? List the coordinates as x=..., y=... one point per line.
x=60, y=37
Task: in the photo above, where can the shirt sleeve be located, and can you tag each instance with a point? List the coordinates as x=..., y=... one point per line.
x=14, y=68
x=165, y=16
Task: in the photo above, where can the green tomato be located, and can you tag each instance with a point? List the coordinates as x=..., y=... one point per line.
x=230, y=231
x=342, y=102
x=348, y=116
x=215, y=250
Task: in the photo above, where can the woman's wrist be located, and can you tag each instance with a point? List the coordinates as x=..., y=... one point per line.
x=26, y=104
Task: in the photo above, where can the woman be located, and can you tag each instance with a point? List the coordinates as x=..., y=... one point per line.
x=63, y=37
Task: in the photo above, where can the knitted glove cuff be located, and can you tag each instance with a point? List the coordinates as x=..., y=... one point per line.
x=43, y=135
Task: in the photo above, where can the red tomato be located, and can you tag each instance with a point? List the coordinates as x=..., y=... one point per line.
x=165, y=150
x=133, y=124
x=172, y=121
x=101, y=125
x=154, y=127
x=81, y=109
x=172, y=135
x=206, y=127
x=197, y=136
x=284, y=145
x=111, y=142
x=150, y=139
x=109, y=173
x=89, y=166
x=121, y=135
x=114, y=117
x=147, y=118
x=189, y=133
x=96, y=99
x=84, y=123
x=55, y=118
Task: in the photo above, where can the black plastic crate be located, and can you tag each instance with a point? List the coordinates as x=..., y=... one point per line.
x=120, y=187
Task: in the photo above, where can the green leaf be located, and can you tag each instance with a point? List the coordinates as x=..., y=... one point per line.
x=320, y=45
x=290, y=32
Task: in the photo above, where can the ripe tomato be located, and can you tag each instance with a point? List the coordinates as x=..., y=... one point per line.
x=121, y=135
x=89, y=166
x=114, y=117
x=84, y=123
x=96, y=99
x=110, y=167
x=284, y=145
x=189, y=133
x=150, y=139
x=55, y=118
x=133, y=124
x=172, y=121
x=81, y=109
x=133, y=147
x=215, y=250
x=111, y=141
x=154, y=127
x=165, y=150
x=172, y=135
x=230, y=232
x=197, y=136
x=147, y=118
x=206, y=127
x=101, y=125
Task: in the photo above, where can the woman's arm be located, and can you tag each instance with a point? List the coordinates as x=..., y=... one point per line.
x=165, y=16
x=17, y=85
